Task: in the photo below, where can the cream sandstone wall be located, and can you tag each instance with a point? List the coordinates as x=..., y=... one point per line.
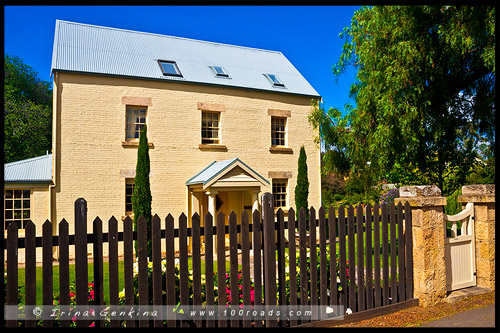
x=89, y=152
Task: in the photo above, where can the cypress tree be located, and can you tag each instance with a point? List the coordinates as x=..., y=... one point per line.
x=141, y=199
x=302, y=187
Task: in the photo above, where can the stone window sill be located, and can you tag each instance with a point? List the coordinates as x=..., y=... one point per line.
x=132, y=144
x=212, y=147
x=281, y=150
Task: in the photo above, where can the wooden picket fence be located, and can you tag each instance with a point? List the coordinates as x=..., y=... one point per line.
x=366, y=281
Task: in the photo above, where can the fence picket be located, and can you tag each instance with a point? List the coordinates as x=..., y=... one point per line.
x=409, y=251
x=196, y=261
x=12, y=276
x=98, y=266
x=257, y=261
x=368, y=256
x=183, y=265
x=81, y=263
x=268, y=229
x=128, y=267
x=360, y=259
x=351, y=258
x=376, y=257
x=113, y=267
x=385, y=255
x=303, y=258
x=245, y=264
x=401, y=256
x=313, y=261
x=142, y=259
x=393, y=249
x=170, y=269
x=156, y=258
x=209, y=266
x=323, y=279
x=292, y=261
x=233, y=260
x=30, y=270
x=332, y=236
x=221, y=264
x=47, y=273
x=342, y=256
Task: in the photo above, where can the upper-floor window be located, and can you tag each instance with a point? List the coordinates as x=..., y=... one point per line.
x=210, y=127
x=17, y=206
x=136, y=119
x=169, y=68
x=274, y=80
x=278, y=131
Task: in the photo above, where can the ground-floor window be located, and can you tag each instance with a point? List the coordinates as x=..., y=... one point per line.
x=279, y=193
x=17, y=203
x=129, y=192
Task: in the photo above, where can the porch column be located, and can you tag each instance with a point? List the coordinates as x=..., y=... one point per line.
x=255, y=200
x=428, y=228
x=483, y=197
x=212, y=210
x=212, y=203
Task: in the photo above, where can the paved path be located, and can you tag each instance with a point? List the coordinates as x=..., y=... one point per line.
x=480, y=317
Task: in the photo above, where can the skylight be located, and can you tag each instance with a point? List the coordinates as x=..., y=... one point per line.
x=274, y=80
x=220, y=71
x=169, y=68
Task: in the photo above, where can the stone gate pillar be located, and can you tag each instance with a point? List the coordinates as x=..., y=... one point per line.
x=483, y=197
x=428, y=227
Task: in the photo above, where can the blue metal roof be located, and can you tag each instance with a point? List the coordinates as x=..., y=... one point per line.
x=215, y=169
x=94, y=49
x=31, y=170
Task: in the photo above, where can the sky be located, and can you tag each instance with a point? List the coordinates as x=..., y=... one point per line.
x=308, y=36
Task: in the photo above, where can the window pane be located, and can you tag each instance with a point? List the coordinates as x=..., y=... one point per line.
x=26, y=193
x=17, y=204
x=9, y=214
x=17, y=214
x=169, y=68
x=26, y=203
x=18, y=194
x=26, y=214
x=9, y=194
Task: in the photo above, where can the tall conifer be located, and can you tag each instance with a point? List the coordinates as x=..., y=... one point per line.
x=302, y=187
x=141, y=199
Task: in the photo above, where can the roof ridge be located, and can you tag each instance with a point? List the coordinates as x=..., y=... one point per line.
x=27, y=160
x=168, y=36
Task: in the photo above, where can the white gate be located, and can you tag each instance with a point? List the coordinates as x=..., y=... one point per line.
x=460, y=250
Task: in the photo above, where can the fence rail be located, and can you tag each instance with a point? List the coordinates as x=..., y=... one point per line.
x=270, y=274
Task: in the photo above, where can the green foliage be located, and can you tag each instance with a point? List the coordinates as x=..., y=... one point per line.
x=452, y=205
x=27, y=111
x=302, y=187
x=141, y=199
x=424, y=94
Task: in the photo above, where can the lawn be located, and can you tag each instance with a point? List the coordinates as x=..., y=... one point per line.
x=21, y=275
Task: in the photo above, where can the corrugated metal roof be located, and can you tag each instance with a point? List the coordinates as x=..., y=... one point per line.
x=215, y=169
x=110, y=51
x=36, y=170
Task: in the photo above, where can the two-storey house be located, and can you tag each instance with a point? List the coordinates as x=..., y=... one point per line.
x=225, y=124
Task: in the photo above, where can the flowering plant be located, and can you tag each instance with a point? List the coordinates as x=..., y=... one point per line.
x=389, y=196
x=72, y=300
